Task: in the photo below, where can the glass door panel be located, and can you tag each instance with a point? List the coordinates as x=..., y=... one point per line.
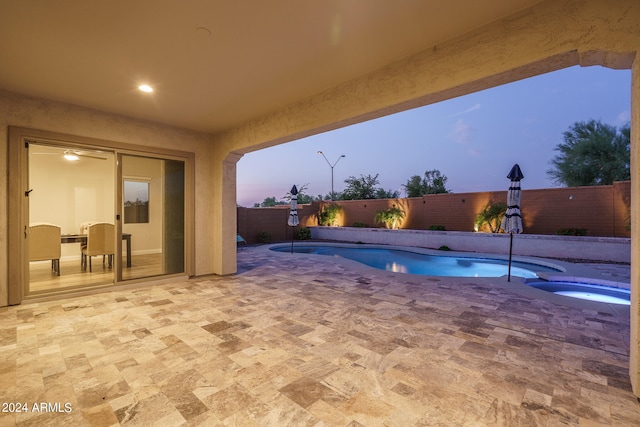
x=69, y=187
x=153, y=221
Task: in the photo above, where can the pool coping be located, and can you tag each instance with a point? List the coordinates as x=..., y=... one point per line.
x=571, y=271
x=611, y=249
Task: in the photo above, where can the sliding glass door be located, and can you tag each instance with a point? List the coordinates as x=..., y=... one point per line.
x=71, y=187
x=152, y=216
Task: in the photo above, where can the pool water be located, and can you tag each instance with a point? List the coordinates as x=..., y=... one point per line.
x=402, y=261
x=586, y=291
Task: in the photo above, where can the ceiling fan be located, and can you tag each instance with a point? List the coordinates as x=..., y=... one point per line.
x=70, y=153
x=74, y=155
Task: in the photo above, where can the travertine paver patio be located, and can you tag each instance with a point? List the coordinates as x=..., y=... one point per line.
x=303, y=341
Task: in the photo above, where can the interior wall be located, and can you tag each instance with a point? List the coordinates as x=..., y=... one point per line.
x=69, y=193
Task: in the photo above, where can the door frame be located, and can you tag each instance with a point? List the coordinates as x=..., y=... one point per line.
x=18, y=204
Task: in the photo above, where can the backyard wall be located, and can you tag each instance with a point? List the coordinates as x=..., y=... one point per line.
x=602, y=210
x=253, y=221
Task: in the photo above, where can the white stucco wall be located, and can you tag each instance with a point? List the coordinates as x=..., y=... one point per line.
x=634, y=358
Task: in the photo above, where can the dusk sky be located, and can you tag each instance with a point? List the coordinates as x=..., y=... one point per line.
x=473, y=140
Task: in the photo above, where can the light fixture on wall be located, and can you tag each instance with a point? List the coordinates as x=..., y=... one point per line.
x=71, y=156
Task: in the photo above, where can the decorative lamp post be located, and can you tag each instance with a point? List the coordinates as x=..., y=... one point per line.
x=331, y=166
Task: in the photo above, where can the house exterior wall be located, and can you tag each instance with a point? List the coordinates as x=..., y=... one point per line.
x=602, y=211
x=549, y=36
x=22, y=111
x=634, y=353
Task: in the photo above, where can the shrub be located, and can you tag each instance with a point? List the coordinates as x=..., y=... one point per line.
x=391, y=218
x=328, y=214
x=304, y=233
x=572, y=232
x=264, y=237
x=437, y=227
x=444, y=248
x=359, y=224
x=491, y=216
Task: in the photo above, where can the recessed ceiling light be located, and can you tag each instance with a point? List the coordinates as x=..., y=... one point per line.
x=145, y=88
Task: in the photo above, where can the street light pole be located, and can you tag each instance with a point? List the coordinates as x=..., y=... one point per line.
x=331, y=166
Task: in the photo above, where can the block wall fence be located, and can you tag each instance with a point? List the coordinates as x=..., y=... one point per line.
x=601, y=210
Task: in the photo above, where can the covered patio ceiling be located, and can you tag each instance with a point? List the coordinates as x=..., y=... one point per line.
x=215, y=65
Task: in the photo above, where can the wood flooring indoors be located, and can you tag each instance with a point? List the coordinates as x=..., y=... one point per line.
x=42, y=279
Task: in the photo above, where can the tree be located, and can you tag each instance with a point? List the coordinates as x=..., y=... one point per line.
x=269, y=202
x=366, y=187
x=593, y=153
x=414, y=186
x=433, y=182
x=381, y=193
x=301, y=197
x=360, y=188
x=305, y=199
x=286, y=199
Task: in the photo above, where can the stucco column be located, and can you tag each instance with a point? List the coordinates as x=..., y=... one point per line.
x=634, y=362
x=224, y=213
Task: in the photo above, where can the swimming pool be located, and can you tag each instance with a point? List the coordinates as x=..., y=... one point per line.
x=405, y=261
x=585, y=291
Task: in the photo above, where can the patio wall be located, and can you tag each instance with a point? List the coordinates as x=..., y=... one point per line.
x=252, y=221
x=602, y=210
x=611, y=249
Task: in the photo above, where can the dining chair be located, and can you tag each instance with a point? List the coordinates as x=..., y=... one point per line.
x=45, y=244
x=83, y=231
x=100, y=241
x=85, y=226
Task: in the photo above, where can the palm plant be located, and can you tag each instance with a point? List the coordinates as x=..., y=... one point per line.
x=391, y=218
x=328, y=214
x=491, y=216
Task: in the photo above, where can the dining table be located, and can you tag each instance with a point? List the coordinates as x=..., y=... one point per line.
x=82, y=238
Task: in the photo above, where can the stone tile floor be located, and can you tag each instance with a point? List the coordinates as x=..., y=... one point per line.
x=301, y=341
